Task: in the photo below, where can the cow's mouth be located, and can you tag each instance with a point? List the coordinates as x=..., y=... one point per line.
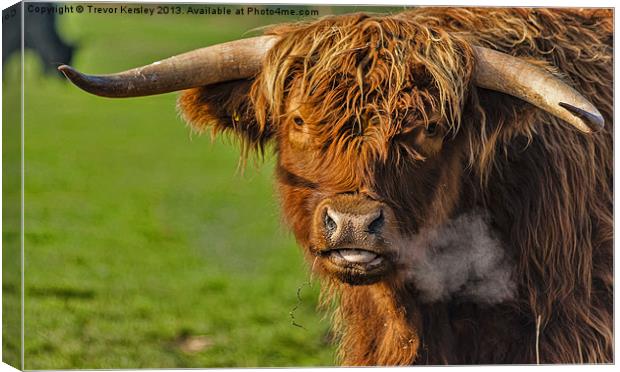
x=356, y=265
x=354, y=256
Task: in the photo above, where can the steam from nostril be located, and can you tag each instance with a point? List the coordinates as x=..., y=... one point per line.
x=462, y=259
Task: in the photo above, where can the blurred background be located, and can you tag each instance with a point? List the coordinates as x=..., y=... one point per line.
x=145, y=246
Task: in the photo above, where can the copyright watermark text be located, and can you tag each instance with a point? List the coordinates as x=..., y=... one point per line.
x=172, y=9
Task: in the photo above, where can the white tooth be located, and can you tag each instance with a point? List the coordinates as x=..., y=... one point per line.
x=357, y=255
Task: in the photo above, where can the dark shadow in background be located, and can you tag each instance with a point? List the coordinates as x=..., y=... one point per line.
x=41, y=36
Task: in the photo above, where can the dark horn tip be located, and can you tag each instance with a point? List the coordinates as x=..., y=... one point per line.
x=595, y=121
x=67, y=70
x=74, y=76
x=92, y=84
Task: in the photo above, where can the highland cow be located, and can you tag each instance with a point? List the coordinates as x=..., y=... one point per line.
x=447, y=171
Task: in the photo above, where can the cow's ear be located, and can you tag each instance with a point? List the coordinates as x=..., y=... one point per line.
x=225, y=107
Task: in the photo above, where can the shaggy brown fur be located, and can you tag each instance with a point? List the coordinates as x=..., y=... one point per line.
x=384, y=106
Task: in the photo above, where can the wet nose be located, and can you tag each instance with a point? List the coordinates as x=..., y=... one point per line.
x=356, y=225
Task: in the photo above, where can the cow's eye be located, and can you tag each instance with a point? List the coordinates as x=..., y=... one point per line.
x=430, y=130
x=298, y=121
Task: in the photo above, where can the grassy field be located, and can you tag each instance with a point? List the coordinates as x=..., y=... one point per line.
x=11, y=206
x=145, y=247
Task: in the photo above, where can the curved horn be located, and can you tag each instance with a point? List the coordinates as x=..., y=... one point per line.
x=214, y=64
x=507, y=74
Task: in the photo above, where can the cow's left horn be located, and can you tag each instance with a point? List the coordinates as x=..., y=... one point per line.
x=507, y=74
x=214, y=64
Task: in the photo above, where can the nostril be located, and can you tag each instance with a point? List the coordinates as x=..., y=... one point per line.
x=375, y=226
x=330, y=224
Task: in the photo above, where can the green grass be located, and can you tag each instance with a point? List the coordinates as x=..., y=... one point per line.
x=11, y=206
x=140, y=237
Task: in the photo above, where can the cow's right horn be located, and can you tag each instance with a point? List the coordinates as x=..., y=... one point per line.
x=234, y=60
x=511, y=75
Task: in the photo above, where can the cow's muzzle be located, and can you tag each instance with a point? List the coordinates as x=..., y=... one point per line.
x=351, y=235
